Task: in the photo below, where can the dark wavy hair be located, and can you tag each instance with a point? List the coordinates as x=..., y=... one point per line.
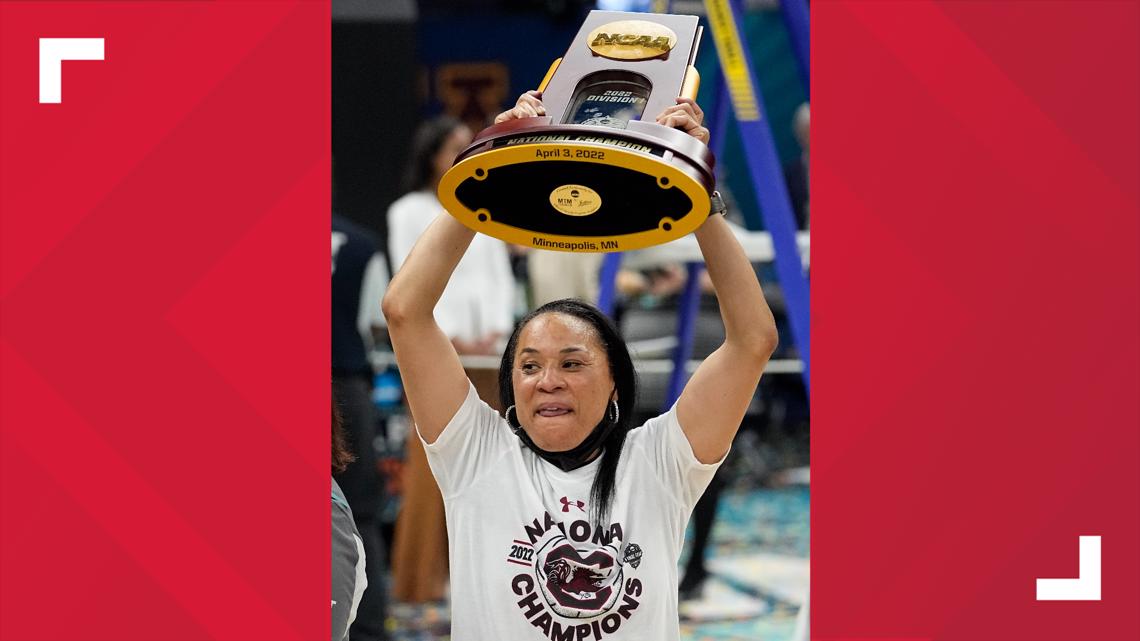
x=341, y=457
x=426, y=143
x=625, y=381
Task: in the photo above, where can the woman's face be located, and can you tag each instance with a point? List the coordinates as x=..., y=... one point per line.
x=562, y=381
x=455, y=142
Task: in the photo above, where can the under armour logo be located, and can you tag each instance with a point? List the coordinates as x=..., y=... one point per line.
x=566, y=503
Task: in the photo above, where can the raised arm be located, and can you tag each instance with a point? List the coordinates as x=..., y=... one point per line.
x=714, y=400
x=434, y=380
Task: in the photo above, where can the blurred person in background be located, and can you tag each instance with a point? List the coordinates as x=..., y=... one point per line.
x=358, y=281
x=476, y=309
x=475, y=312
x=563, y=484
x=349, y=579
x=796, y=174
x=555, y=275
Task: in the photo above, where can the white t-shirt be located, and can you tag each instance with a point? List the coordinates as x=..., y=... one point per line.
x=525, y=561
x=479, y=298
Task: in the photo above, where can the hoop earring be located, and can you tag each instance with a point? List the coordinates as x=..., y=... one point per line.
x=515, y=425
x=616, y=411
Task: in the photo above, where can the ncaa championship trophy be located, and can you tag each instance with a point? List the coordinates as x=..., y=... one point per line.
x=591, y=175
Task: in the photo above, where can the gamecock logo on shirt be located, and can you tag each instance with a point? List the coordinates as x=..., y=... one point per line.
x=578, y=581
x=577, y=586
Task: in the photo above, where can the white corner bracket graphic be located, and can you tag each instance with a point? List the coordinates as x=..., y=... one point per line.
x=1086, y=587
x=53, y=51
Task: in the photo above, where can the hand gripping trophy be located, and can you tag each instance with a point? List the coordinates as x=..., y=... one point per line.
x=591, y=176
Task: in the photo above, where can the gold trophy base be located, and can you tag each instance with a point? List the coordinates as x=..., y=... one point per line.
x=580, y=188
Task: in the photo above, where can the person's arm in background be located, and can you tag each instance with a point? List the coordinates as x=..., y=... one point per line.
x=716, y=397
x=348, y=578
x=405, y=226
x=503, y=321
x=370, y=322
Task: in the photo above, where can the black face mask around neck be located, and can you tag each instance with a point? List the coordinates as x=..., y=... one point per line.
x=576, y=457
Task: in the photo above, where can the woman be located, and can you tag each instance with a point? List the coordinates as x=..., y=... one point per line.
x=475, y=312
x=565, y=521
x=348, y=559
